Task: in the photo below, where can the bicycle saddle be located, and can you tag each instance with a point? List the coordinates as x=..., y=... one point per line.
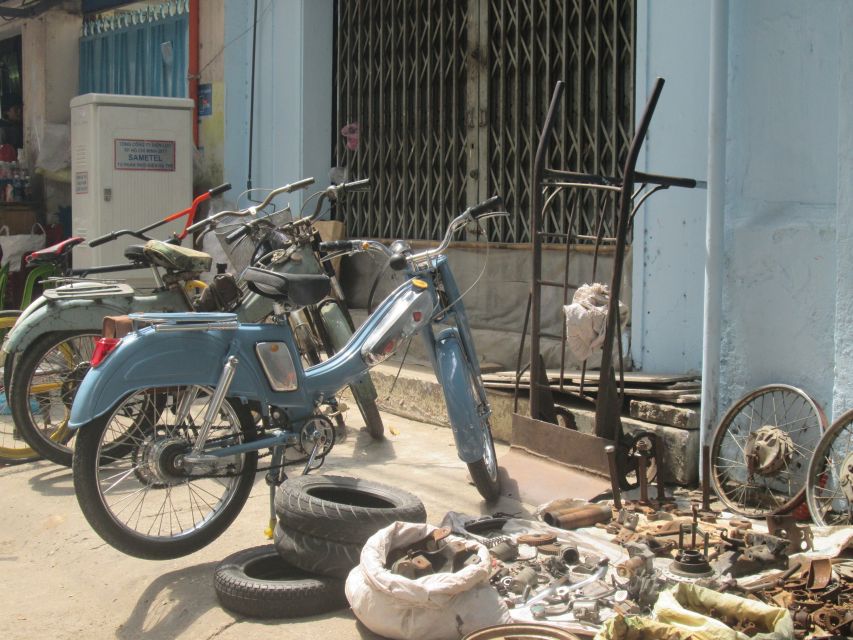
x=298, y=289
x=54, y=253
x=176, y=258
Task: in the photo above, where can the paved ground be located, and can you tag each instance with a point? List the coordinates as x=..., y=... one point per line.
x=62, y=581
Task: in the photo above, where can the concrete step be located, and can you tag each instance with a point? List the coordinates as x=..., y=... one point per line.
x=413, y=392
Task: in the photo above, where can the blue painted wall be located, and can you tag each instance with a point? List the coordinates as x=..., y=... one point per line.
x=669, y=233
x=788, y=245
x=293, y=93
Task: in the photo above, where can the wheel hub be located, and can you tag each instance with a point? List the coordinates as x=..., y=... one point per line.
x=72, y=382
x=768, y=450
x=846, y=478
x=161, y=461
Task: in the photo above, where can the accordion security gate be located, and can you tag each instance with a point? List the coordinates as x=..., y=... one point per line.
x=445, y=103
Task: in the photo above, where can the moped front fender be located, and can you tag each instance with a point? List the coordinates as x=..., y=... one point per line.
x=149, y=359
x=455, y=375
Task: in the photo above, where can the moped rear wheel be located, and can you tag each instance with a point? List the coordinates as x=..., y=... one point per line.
x=136, y=486
x=44, y=382
x=13, y=448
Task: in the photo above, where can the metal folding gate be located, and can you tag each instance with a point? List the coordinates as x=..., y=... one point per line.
x=442, y=103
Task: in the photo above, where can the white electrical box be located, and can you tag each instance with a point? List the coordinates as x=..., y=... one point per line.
x=131, y=165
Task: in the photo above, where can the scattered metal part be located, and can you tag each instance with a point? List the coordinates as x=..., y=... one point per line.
x=785, y=526
x=549, y=549
x=819, y=574
x=610, y=450
x=640, y=560
x=527, y=578
x=580, y=517
x=600, y=572
x=586, y=611
x=505, y=551
x=690, y=562
x=536, y=539
x=628, y=519
x=569, y=554
x=642, y=478
x=526, y=630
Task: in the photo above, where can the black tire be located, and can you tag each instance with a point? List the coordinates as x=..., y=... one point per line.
x=52, y=441
x=13, y=448
x=134, y=444
x=369, y=412
x=259, y=583
x=341, y=509
x=316, y=555
x=484, y=472
x=366, y=401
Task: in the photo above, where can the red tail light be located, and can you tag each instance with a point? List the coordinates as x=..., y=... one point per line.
x=103, y=348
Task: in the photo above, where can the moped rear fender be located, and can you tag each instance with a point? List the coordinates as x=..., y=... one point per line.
x=150, y=359
x=455, y=374
x=43, y=317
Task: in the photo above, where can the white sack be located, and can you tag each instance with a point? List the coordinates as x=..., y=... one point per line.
x=441, y=606
x=16, y=246
x=586, y=317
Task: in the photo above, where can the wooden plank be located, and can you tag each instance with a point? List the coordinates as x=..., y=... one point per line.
x=631, y=377
x=670, y=395
x=566, y=446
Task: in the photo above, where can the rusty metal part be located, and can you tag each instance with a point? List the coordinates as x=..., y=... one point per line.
x=523, y=631
x=412, y=568
x=768, y=450
x=549, y=549
x=642, y=478
x=610, y=450
x=785, y=526
x=581, y=517
x=706, y=478
x=569, y=554
x=628, y=519
x=640, y=560
x=691, y=562
x=819, y=574
x=658, y=456
x=536, y=539
x=833, y=619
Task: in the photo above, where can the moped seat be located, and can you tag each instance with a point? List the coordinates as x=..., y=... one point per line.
x=136, y=253
x=176, y=258
x=298, y=289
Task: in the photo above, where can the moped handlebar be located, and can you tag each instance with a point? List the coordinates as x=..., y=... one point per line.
x=639, y=176
x=190, y=212
x=398, y=259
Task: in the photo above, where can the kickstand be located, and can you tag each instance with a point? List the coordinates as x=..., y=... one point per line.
x=275, y=476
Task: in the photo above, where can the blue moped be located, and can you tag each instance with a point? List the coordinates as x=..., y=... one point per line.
x=168, y=449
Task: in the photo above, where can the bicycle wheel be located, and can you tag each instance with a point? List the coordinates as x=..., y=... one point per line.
x=13, y=447
x=829, y=490
x=761, y=448
x=44, y=382
x=135, y=481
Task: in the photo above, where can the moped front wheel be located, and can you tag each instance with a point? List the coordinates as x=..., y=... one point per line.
x=44, y=382
x=484, y=472
x=140, y=487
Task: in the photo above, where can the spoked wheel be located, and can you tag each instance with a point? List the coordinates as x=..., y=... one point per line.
x=44, y=382
x=761, y=449
x=13, y=447
x=829, y=489
x=140, y=486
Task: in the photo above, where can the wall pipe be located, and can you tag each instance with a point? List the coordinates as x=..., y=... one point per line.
x=715, y=223
x=193, y=71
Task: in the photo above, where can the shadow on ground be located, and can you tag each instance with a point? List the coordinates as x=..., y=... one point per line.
x=170, y=604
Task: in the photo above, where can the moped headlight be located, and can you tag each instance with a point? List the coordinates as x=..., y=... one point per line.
x=408, y=314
